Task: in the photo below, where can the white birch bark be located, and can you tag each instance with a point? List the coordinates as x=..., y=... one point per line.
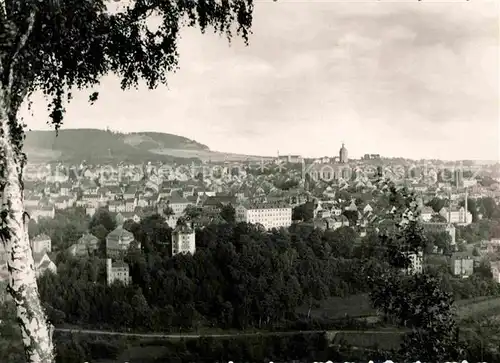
x=36, y=331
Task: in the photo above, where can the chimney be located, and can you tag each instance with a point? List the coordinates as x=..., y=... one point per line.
x=466, y=206
x=449, y=206
x=108, y=270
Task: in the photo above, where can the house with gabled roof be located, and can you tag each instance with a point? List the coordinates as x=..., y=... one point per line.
x=43, y=263
x=193, y=199
x=219, y=201
x=142, y=201
x=352, y=206
x=32, y=201
x=89, y=187
x=367, y=209
x=90, y=210
x=94, y=199
x=90, y=241
x=40, y=212
x=336, y=222
x=65, y=188
x=130, y=204
x=114, y=190
x=63, y=202
x=187, y=192
x=426, y=213
x=116, y=206
x=130, y=192
x=177, y=203
x=164, y=192
x=135, y=216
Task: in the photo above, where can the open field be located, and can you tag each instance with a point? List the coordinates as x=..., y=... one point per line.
x=339, y=307
x=39, y=154
x=207, y=155
x=384, y=341
x=149, y=348
x=480, y=309
x=359, y=306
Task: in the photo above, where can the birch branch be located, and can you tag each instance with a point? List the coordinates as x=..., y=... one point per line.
x=3, y=8
x=23, y=38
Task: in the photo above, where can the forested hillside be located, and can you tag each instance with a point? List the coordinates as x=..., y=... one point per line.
x=101, y=145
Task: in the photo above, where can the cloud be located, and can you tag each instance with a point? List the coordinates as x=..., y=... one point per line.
x=416, y=76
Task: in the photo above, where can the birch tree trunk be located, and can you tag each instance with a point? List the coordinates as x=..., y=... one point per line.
x=36, y=332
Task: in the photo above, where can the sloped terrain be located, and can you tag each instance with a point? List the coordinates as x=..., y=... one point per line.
x=101, y=146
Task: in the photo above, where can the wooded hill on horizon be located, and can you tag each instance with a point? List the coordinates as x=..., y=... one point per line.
x=105, y=146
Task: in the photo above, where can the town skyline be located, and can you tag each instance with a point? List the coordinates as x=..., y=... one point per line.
x=415, y=80
x=334, y=154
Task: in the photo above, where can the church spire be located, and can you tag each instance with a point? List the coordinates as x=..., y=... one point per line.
x=343, y=154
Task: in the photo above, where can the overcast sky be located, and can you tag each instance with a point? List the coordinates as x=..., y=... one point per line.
x=405, y=78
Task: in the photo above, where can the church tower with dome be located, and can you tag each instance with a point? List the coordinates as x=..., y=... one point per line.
x=343, y=155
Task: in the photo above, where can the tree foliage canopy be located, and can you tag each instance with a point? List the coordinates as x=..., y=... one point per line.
x=59, y=46
x=417, y=301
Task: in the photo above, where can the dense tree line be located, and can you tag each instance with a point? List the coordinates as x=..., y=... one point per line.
x=482, y=230
x=286, y=184
x=243, y=277
x=303, y=212
x=415, y=301
x=486, y=207
x=240, y=277
x=74, y=348
x=64, y=230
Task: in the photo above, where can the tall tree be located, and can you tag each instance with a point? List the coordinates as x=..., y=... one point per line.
x=228, y=213
x=303, y=212
x=192, y=212
x=416, y=301
x=57, y=46
x=102, y=217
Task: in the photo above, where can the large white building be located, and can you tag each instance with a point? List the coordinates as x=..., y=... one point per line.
x=269, y=215
x=183, y=240
x=456, y=215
